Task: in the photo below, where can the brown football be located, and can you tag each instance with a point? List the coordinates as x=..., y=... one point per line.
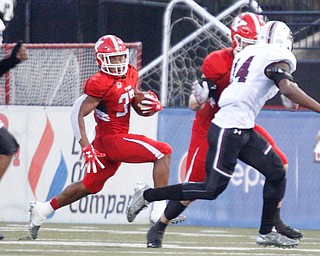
x=136, y=104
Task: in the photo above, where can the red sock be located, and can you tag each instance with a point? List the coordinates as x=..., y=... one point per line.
x=54, y=204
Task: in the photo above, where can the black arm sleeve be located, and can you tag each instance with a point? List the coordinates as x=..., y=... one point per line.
x=10, y=62
x=277, y=74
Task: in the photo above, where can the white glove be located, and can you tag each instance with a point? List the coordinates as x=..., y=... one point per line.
x=200, y=91
x=289, y=104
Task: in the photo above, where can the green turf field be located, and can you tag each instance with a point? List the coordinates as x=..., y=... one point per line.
x=79, y=239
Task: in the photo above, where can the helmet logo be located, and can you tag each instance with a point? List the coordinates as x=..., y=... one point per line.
x=238, y=22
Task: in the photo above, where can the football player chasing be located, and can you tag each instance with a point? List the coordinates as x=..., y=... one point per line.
x=216, y=75
x=258, y=73
x=109, y=94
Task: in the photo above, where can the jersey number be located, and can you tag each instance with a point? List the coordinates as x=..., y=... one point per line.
x=125, y=100
x=243, y=70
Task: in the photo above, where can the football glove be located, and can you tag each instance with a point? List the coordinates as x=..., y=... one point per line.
x=91, y=155
x=150, y=104
x=200, y=91
x=289, y=104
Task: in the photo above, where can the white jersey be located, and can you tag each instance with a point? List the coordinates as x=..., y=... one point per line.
x=250, y=88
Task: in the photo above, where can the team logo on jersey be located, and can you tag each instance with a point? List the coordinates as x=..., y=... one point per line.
x=119, y=85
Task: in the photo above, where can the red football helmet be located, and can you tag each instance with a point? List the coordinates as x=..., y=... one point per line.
x=106, y=48
x=244, y=29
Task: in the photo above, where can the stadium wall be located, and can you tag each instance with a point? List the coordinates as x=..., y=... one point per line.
x=50, y=159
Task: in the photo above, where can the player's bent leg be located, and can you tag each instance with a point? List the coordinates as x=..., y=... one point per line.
x=40, y=211
x=161, y=170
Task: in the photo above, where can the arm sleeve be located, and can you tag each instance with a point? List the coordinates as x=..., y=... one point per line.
x=7, y=64
x=10, y=62
x=74, y=116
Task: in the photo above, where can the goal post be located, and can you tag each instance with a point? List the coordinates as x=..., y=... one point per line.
x=54, y=74
x=171, y=75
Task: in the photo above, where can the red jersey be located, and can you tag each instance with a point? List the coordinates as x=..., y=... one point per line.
x=113, y=113
x=216, y=67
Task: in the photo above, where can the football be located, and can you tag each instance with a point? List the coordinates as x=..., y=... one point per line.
x=145, y=104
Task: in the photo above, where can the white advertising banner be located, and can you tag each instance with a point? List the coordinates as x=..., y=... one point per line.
x=50, y=159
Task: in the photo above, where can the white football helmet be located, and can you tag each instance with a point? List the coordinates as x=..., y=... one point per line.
x=106, y=48
x=276, y=33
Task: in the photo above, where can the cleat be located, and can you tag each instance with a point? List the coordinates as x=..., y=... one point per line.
x=36, y=219
x=179, y=219
x=1, y=237
x=277, y=240
x=288, y=231
x=33, y=229
x=137, y=202
x=154, y=238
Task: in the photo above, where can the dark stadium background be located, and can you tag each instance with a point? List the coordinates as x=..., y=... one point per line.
x=84, y=21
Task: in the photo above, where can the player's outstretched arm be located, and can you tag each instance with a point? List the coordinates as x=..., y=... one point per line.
x=280, y=73
x=290, y=90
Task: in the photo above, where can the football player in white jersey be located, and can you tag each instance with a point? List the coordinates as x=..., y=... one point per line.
x=258, y=73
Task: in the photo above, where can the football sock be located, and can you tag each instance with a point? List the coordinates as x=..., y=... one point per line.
x=173, y=192
x=45, y=209
x=268, y=215
x=173, y=209
x=160, y=226
x=54, y=204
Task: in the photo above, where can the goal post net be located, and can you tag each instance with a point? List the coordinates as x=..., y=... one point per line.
x=171, y=75
x=54, y=74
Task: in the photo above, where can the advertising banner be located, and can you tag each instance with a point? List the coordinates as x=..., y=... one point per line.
x=50, y=159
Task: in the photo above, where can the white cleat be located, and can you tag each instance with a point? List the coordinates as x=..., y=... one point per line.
x=36, y=219
x=137, y=202
x=179, y=219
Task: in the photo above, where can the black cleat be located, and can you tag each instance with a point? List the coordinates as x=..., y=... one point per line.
x=154, y=238
x=1, y=237
x=288, y=231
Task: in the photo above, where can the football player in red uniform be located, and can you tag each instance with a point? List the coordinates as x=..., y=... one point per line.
x=109, y=94
x=216, y=73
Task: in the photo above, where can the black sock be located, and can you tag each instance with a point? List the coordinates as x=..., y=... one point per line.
x=173, y=209
x=268, y=215
x=278, y=222
x=173, y=192
x=160, y=226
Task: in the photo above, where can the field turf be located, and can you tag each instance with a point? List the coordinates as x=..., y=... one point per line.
x=91, y=239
